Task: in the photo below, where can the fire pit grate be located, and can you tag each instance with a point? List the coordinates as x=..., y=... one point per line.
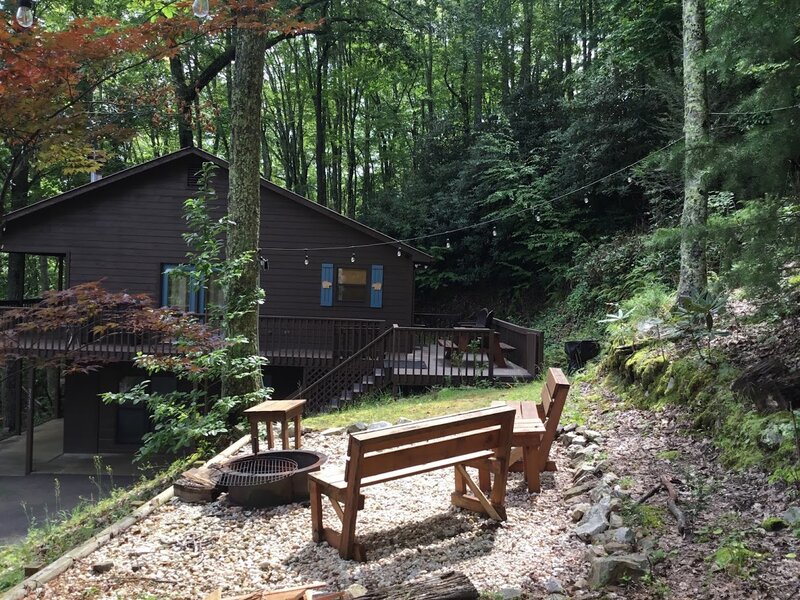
x=256, y=470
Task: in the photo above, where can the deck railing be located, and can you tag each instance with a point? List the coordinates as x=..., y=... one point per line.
x=528, y=345
x=412, y=356
x=89, y=340
x=315, y=340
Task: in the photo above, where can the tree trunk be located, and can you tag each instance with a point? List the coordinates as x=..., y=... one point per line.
x=477, y=90
x=15, y=290
x=244, y=202
x=527, y=32
x=693, y=277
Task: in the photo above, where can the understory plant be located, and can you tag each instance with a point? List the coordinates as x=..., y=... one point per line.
x=199, y=412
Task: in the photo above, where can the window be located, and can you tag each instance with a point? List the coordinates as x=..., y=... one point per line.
x=351, y=285
x=180, y=290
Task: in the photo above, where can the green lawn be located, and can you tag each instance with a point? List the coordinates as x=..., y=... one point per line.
x=440, y=402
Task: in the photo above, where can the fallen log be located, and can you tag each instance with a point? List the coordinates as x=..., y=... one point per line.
x=447, y=586
x=653, y=491
x=672, y=504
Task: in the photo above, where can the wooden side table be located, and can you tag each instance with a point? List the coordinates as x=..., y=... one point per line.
x=274, y=411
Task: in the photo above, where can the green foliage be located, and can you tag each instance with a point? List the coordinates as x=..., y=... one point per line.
x=735, y=558
x=649, y=517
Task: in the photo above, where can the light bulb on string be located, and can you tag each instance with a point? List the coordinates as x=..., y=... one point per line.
x=447, y=244
x=399, y=251
x=305, y=261
x=200, y=8
x=353, y=257
x=538, y=218
x=630, y=179
x=25, y=13
x=494, y=231
x=586, y=199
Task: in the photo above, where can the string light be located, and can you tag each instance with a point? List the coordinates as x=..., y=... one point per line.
x=200, y=8
x=353, y=257
x=538, y=218
x=494, y=231
x=305, y=261
x=263, y=261
x=399, y=252
x=630, y=179
x=552, y=200
x=447, y=244
x=25, y=13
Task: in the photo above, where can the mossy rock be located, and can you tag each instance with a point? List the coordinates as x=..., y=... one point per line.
x=774, y=524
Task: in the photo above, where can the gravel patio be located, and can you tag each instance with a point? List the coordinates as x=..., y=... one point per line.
x=410, y=530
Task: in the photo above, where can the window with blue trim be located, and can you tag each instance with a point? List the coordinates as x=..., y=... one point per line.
x=181, y=290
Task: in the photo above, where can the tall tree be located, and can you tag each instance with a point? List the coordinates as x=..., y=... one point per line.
x=244, y=201
x=693, y=275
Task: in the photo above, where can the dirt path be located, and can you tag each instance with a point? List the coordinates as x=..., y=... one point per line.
x=725, y=511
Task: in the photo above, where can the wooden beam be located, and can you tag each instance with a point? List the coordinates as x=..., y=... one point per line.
x=490, y=510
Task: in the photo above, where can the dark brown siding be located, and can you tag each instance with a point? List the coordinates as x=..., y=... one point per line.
x=124, y=232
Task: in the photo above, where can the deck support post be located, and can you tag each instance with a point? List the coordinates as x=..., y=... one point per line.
x=29, y=423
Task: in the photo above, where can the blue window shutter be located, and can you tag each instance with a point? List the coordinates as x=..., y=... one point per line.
x=165, y=284
x=376, y=289
x=326, y=287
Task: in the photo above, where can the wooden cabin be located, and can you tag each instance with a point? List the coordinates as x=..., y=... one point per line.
x=322, y=307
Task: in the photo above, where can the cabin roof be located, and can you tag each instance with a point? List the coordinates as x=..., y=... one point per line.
x=42, y=205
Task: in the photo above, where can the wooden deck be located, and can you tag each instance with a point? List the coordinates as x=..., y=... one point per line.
x=427, y=365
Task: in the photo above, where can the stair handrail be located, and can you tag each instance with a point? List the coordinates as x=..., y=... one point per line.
x=307, y=391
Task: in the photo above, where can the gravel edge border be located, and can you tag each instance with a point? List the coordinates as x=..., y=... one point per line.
x=64, y=562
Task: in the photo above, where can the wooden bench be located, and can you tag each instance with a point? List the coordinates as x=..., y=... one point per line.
x=479, y=438
x=535, y=429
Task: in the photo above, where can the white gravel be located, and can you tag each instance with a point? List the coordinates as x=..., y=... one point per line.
x=408, y=526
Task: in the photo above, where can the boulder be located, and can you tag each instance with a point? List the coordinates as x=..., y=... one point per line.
x=509, y=593
x=600, y=492
x=404, y=421
x=579, y=489
x=612, y=569
x=623, y=535
x=615, y=521
x=356, y=427
x=378, y=425
x=595, y=521
x=553, y=586
x=332, y=431
x=578, y=511
x=792, y=516
x=102, y=567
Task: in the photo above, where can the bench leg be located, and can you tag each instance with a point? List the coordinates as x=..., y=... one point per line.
x=254, y=435
x=317, y=528
x=347, y=542
x=485, y=480
x=531, y=468
x=461, y=485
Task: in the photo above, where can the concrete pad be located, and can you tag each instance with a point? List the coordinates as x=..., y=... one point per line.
x=39, y=498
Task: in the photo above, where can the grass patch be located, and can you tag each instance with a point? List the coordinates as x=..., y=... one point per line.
x=432, y=404
x=669, y=454
x=649, y=518
x=48, y=541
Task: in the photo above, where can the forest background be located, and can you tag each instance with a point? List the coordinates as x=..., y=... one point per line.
x=546, y=136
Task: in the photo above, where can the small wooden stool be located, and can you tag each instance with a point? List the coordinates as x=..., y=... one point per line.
x=274, y=411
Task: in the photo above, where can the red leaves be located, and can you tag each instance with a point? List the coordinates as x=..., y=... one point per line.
x=86, y=326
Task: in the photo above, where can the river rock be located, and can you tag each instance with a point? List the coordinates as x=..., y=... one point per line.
x=378, y=425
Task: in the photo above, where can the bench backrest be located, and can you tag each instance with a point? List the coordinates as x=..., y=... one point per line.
x=554, y=396
x=403, y=450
